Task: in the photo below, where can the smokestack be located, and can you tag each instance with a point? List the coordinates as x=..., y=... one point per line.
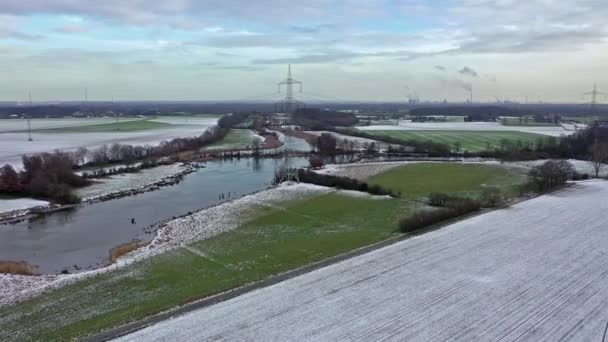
x=471, y=98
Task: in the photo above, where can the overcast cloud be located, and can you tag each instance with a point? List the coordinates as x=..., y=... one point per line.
x=218, y=48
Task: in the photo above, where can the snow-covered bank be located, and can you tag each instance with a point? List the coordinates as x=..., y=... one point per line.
x=129, y=181
x=172, y=234
x=13, y=204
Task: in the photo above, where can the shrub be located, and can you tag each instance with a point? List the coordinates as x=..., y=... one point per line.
x=462, y=206
x=551, y=174
x=492, y=197
x=454, y=207
x=19, y=267
x=424, y=218
x=316, y=162
x=123, y=249
x=438, y=199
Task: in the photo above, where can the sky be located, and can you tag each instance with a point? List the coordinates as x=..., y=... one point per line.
x=357, y=50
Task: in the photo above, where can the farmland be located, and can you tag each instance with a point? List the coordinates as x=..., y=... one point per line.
x=70, y=134
x=419, y=179
x=274, y=236
x=472, y=141
x=554, y=131
x=120, y=126
x=236, y=138
x=536, y=271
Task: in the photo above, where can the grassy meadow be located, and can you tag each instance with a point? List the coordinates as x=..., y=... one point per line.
x=472, y=141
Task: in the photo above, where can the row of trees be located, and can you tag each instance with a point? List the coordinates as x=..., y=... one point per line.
x=47, y=175
x=128, y=154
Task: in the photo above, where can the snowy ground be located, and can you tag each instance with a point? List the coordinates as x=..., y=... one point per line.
x=127, y=181
x=12, y=125
x=537, y=271
x=581, y=166
x=18, y=204
x=173, y=234
x=360, y=171
x=14, y=145
x=555, y=131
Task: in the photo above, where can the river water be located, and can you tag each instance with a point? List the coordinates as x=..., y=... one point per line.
x=81, y=238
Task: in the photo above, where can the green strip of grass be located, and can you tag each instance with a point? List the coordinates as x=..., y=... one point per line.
x=121, y=126
x=472, y=141
x=236, y=138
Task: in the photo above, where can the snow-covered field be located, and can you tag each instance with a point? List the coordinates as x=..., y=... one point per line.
x=407, y=125
x=537, y=271
x=173, y=234
x=14, y=145
x=122, y=182
x=16, y=204
x=11, y=125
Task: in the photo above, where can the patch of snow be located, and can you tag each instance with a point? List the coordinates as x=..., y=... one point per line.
x=364, y=195
x=15, y=204
x=128, y=181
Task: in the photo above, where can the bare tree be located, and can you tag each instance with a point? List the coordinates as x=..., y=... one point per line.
x=598, y=154
x=257, y=144
x=551, y=174
x=80, y=155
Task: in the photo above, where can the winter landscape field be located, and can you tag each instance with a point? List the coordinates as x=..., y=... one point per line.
x=70, y=134
x=533, y=272
x=406, y=125
x=471, y=141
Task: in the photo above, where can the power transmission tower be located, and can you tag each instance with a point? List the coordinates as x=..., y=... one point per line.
x=594, y=94
x=29, y=122
x=289, y=104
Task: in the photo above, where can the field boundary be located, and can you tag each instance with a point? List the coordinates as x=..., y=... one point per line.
x=208, y=301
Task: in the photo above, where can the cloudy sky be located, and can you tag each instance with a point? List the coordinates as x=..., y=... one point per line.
x=550, y=50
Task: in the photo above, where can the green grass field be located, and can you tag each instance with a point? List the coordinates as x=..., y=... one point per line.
x=236, y=138
x=273, y=240
x=121, y=126
x=472, y=141
x=419, y=180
